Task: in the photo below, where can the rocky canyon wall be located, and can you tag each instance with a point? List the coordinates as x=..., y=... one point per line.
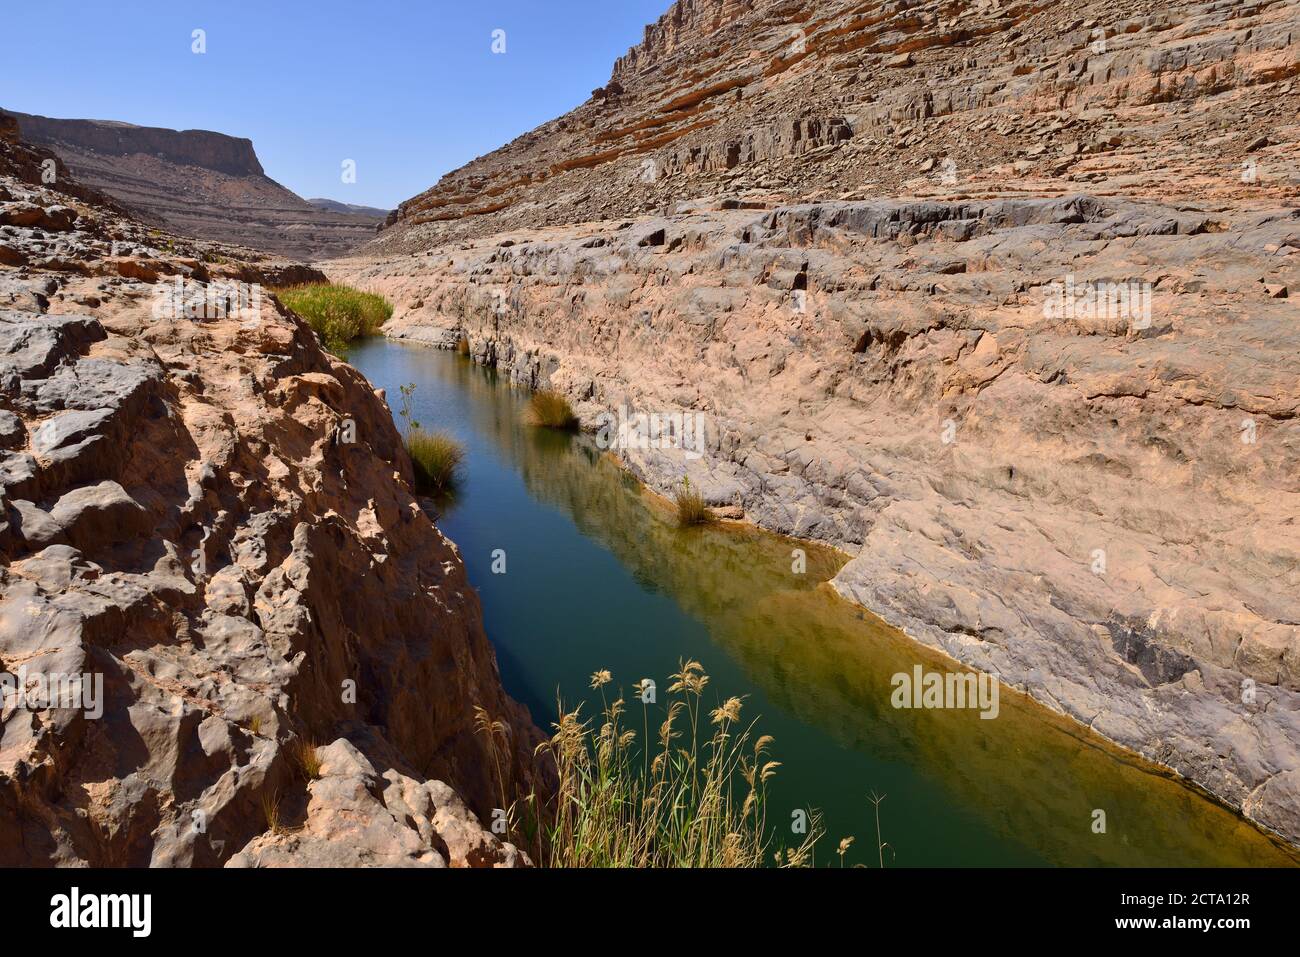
x=1099, y=509
x=998, y=297
x=780, y=101
x=229, y=633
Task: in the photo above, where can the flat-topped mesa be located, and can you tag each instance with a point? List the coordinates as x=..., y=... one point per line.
x=198, y=183
x=233, y=155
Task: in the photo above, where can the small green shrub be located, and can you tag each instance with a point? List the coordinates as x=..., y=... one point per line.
x=436, y=457
x=338, y=314
x=691, y=509
x=551, y=410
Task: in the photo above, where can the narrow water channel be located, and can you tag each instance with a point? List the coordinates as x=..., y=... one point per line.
x=598, y=575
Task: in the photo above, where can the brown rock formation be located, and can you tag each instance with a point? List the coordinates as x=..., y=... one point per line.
x=198, y=183
x=210, y=561
x=1092, y=497
x=787, y=100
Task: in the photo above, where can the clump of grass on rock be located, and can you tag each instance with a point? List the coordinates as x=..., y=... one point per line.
x=691, y=509
x=307, y=756
x=338, y=314
x=551, y=410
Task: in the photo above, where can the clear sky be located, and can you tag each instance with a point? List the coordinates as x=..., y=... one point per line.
x=409, y=89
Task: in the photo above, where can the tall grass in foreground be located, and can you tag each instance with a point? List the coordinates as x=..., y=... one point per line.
x=551, y=410
x=691, y=509
x=695, y=798
x=338, y=314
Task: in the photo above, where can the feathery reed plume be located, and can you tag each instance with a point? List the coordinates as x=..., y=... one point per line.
x=845, y=844
x=684, y=799
x=495, y=730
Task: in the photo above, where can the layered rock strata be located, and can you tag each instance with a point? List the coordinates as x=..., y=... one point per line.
x=198, y=183
x=783, y=101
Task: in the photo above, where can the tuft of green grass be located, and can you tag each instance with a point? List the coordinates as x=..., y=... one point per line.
x=551, y=410
x=338, y=314
x=686, y=789
x=691, y=509
x=436, y=457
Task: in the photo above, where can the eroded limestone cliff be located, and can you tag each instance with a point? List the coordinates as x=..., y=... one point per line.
x=229, y=633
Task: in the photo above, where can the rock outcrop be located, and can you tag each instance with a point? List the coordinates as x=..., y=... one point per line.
x=229, y=632
x=198, y=183
x=1046, y=397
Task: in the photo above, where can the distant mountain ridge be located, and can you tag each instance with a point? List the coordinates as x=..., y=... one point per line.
x=334, y=206
x=199, y=183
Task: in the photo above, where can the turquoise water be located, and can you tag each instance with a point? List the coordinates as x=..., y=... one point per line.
x=598, y=576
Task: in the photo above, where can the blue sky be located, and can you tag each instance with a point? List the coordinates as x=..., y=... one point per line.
x=409, y=90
